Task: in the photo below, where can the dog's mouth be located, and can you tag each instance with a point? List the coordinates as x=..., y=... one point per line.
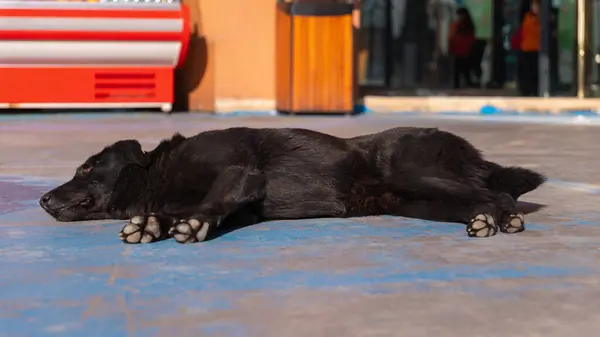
x=56, y=212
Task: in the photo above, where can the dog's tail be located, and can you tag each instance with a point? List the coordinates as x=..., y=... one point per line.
x=515, y=181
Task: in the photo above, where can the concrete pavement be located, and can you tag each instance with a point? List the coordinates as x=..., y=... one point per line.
x=376, y=276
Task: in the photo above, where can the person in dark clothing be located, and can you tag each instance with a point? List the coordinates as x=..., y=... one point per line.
x=462, y=39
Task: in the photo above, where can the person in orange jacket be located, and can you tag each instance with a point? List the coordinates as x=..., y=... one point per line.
x=462, y=39
x=529, y=46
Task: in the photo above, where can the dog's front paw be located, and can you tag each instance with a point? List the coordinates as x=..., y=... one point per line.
x=141, y=229
x=192, y=230
x=482, y=226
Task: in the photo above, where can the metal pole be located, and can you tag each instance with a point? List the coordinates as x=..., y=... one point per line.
x=498, y=77
x=581, y=45
x=544, y=55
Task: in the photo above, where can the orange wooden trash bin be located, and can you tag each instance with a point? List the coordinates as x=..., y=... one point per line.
x=315, y=57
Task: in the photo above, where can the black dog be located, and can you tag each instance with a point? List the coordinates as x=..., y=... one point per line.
x=188, y=187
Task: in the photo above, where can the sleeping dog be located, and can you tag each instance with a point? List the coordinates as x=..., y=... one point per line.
x=188, y=188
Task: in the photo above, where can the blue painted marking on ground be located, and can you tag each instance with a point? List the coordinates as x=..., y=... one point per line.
x=493, y=110
x=520, y=117
x=238, y=261
x=500, y=117
x=587, y=220
x=589, y=113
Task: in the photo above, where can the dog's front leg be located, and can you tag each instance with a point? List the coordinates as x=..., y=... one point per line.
x=236, y=189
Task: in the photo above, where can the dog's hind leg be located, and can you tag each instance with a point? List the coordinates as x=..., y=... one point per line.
x=483, y=211
x=234, y=189
x=483, y=219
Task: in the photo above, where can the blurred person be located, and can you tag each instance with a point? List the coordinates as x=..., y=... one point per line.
x=462, y=39
x=373, y=41
x=529, y=49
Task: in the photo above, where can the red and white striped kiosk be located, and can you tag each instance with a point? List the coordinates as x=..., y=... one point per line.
x=90, y=54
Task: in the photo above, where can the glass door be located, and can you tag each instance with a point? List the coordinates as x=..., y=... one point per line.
x=416, y=60
x=373, y=44
x=594, y=47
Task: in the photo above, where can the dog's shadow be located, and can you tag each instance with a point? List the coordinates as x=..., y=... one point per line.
x=528, y=207
x=522, y=207
x=220, y=231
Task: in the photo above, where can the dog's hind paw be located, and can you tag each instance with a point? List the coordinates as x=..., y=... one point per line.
x=514, y=224
x=191, y=230
x=482, y=226
x=141, y=229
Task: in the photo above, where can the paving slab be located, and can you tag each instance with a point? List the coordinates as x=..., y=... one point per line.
x=373, y=276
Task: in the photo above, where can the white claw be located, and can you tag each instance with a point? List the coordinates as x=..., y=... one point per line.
x=516, y=222
x=146, y=238
x=482, y=233
x=203, y=232
x=478, y=225
x=129, y=228
x=153, y=226
x=137, y=220
x=134, y=238
x=181, y=238
x=184, y=228
x=194, y=223
x=481, y=217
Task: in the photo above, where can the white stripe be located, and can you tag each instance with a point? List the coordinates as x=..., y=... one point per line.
x=91, y=24
x=52, y=4
x=86, y=53
x=119, y=105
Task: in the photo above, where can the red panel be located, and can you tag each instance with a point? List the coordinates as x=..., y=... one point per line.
x=86, y=85
x=183, y=37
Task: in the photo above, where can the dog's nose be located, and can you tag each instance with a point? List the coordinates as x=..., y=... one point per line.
x=46, y=201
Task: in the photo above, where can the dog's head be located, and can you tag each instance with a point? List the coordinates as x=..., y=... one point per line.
x=87, y=195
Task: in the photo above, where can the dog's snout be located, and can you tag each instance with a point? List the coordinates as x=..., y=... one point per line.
x=46, y=201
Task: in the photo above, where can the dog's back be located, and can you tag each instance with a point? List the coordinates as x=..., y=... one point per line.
x=267, y=149
x=319, y=165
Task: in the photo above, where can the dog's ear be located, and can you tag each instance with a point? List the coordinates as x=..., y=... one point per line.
x=132, y=150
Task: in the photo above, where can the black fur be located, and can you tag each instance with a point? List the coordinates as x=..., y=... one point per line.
x=241, y=176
